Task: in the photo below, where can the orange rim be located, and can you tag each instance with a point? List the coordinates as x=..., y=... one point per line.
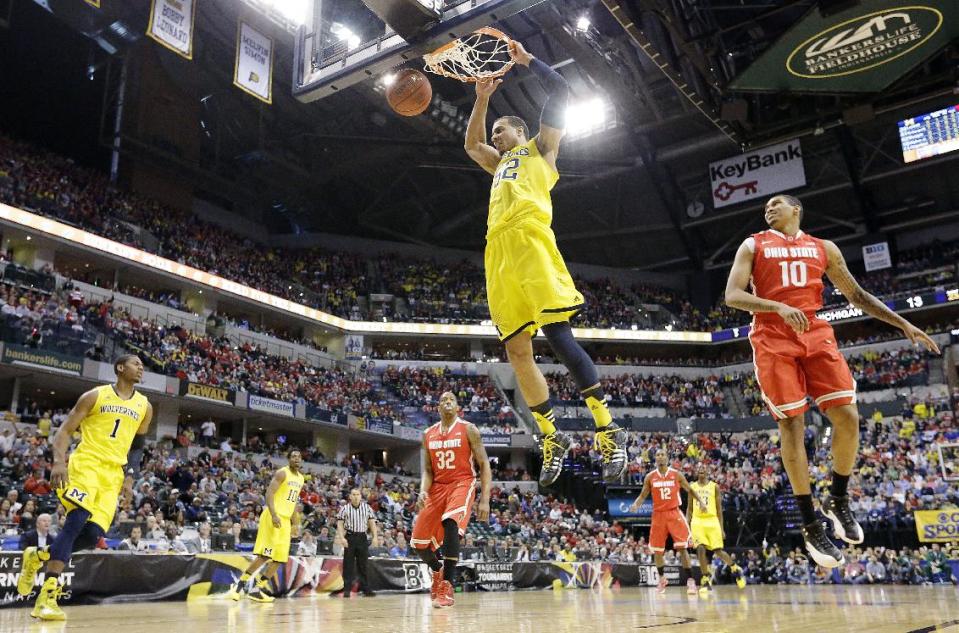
x=486, y=30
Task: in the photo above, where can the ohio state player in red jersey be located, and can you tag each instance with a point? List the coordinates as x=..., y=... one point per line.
x=664, y=484
x=451, y=450
x=796, y=355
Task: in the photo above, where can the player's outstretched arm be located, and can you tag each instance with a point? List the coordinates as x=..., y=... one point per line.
x=61, y=440
x=482, y=153
x=486, y=473
x=839, y=275
x=552, y=121
x=736, y=295
x=427, y=481
x=642, y=495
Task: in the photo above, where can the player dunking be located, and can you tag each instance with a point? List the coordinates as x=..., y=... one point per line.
x=273, y=533
x=451, y=450
x=111, y=419
x=708, y=529
x=795, y=354
x=664, y=484
x=527, y=284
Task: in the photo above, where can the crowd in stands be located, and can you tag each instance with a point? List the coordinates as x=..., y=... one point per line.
x=679, y=396
x=213, y=498
x=344, y=284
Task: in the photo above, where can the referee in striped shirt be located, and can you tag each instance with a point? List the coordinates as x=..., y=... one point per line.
x=352, y=524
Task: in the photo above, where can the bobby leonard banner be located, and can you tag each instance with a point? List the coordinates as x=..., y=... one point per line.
x=171, y=24
x=254, y=63
x=495, y=439
x=876, y=256
x=862, y=49
x=354, y=346
x=268, y=405
x=758, y=174
x=207, y=392
x=20, y=355
x=937, y=526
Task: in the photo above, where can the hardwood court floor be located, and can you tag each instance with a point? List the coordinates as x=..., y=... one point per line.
x=892, y=609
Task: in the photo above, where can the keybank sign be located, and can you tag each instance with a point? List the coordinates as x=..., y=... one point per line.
x=865, y=42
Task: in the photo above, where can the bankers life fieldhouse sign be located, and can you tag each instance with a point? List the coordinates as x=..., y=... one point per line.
x=862, y=49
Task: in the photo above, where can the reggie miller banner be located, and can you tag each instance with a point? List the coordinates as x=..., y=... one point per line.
x=254, y=63
x=171, y=24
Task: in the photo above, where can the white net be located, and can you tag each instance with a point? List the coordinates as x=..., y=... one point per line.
x=480, y=55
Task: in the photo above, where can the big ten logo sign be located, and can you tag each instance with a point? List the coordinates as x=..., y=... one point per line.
x=416, y=576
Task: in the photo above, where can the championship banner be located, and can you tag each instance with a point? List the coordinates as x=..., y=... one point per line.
x=758, y=174
x=41, y=359
x=864, y=48
x=171, y=25
x=937, y=526
x=268, y=405
x=254, y=63
x=207, y=392
x=494, y=440
x=876, y=256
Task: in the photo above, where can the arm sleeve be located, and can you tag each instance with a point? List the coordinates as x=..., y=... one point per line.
x=557, y=94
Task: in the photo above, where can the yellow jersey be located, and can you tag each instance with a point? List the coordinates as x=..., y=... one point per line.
x=288, y=494
x=108, y=430
x=520, y=189
x=708, y=493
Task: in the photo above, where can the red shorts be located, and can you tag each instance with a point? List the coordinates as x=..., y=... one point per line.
x=790, y=366
x=446, y=501
x=669, y=523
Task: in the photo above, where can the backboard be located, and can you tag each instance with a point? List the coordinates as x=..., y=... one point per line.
x=330, y=55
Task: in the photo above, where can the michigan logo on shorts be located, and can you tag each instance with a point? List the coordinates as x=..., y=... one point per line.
x=74, y=494
x=267, y=551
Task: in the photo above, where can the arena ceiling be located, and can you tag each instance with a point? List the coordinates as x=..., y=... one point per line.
x=347, y=164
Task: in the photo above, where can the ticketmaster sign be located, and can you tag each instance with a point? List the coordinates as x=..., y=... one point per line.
x=862, y=49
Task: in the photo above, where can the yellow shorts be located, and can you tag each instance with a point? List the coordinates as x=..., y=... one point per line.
x=94, y=485
x=272, y=542
x=527, y=282
x=708, y=533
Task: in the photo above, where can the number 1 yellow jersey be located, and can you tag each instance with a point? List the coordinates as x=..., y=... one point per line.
x=520, y=189
x=286, y=497
x=108, y=430
x=708, y=494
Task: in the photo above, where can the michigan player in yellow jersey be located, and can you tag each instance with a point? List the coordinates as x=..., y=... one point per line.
x=112, y=420
x=527, y=283
x=273, y=533
x=708, y=530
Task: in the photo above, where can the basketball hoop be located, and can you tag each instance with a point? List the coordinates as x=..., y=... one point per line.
x=483, y=54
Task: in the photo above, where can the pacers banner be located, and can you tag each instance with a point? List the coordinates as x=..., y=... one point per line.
x=937, y=526
x=171, y=25
x=254, y=63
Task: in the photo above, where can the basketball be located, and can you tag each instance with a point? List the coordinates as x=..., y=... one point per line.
x=410, y=93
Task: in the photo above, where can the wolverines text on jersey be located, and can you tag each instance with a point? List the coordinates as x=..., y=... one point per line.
x=108, y=430
x=287, y=496
x=706, y=492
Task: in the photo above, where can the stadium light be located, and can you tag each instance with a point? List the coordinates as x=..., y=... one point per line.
x=293, y=10
x=586, y=117
x=345, y=35
x=388, y=79
x=582, y=24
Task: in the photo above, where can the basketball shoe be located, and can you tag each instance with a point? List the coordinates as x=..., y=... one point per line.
x=705, y=585
x=555, y=446
x=822, y=550
x=661, y=585
x=844, y=524
x=611, y=443
x=46, y=607
x=444, y=595
x=259, y=593
x=237, y=590
x=739, y=575
x=30, y=563
x=435, y=587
